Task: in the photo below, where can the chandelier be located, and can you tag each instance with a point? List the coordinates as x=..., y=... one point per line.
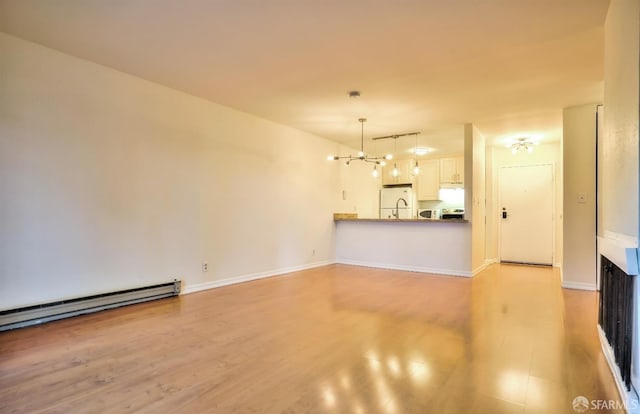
x=522, y=145
x=362, y=156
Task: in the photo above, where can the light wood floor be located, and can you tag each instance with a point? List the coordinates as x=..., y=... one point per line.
x=332, y=339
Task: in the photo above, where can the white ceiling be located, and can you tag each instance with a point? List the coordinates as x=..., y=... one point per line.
x=508, y=66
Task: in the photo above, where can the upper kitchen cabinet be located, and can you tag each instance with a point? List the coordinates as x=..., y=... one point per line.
x=404, y=172
x=428, y=180
x=452, y=172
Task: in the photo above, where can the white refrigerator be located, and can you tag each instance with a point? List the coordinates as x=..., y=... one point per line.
x=396, y=202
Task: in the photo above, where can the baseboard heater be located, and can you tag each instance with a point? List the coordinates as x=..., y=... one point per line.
x=37, y=314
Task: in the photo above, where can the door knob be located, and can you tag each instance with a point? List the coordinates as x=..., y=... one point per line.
x=504, y=213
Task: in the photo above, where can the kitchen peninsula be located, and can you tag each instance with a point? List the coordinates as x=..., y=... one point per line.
x=419, y=245
x=394, y=220
x=428, y=219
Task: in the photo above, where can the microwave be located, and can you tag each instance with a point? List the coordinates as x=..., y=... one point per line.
x=428, y=213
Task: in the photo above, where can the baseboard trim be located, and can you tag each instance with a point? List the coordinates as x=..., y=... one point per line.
x=483, y=266
x=418, y=269
x=629, y=398
x=198, y=287
x=579, y=286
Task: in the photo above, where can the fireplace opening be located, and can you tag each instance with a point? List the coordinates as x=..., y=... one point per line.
x=615, y=315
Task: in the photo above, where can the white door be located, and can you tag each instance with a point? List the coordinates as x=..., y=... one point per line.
x=526, y=214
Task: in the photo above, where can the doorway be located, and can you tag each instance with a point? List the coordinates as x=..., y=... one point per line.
x=526, y=214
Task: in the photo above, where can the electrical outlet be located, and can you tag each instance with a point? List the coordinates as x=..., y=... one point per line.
x=205, y=266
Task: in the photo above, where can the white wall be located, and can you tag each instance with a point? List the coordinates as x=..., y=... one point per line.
x=359, y=191
x=499, y=157
x=491, y=227
x=108, y=181
x=475, y=163
x=620, y=141
x=579, y=180
x=619, y=161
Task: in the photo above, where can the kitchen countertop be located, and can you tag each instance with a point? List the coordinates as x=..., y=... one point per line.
x=405, y=220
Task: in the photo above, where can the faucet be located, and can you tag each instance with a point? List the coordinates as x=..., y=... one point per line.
x=397, y=213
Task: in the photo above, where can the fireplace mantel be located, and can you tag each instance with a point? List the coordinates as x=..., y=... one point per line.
x=621, y=249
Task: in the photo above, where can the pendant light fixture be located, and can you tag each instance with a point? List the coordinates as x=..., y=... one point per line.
x=416, y=169
x=375, y=173
x=362, y=156
x=395, y=172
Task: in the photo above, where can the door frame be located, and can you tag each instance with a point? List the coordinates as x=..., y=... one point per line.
x=498, y=211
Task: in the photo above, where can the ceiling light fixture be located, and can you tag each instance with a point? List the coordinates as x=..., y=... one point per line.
x=395, y=172
x=362, y=156
x=522, y=145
